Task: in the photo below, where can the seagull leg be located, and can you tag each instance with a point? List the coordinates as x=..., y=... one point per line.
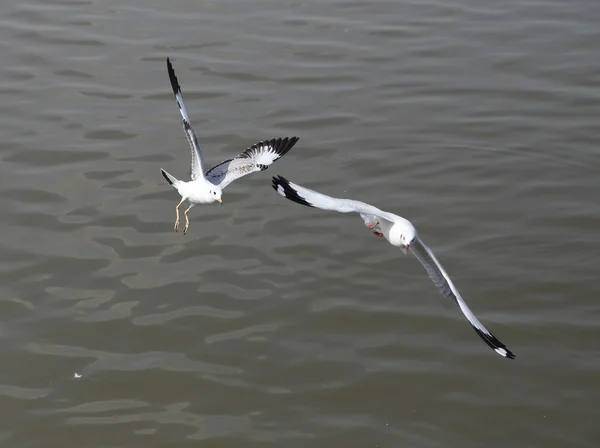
x=376, y=232
x=177, y=219
x=187, y=221
x=371, y=221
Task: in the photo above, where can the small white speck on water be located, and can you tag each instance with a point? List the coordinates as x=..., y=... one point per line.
x=76, y=375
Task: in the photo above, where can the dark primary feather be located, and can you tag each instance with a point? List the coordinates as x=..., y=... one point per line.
x=173, y=78
x=493, y=342
x=163, y=172
x=281, y=184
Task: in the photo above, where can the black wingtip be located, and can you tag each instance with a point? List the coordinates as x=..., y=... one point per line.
x=165, y=176
x=495, y=344
x=285, y=144
x=281, y=145
x=282, y=186
x=172, y=77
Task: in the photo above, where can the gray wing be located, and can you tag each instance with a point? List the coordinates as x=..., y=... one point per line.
x=311, y=198
x=197, y=161
x=256, y=158
x=442, y=280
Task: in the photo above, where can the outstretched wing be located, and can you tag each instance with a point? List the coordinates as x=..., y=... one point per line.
x=311, y=198
x=442, y=280
x=256, y=158
x=197, y=161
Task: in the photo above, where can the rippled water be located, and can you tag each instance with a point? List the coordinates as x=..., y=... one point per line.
x=272, y=324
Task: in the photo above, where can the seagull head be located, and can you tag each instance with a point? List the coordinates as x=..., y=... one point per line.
x=215, y=194
x=402, y=234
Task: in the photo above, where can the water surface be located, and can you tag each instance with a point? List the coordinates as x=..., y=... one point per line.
x=272, y=324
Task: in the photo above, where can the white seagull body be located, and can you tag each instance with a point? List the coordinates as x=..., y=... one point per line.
x=399, y=232
x=206, y=188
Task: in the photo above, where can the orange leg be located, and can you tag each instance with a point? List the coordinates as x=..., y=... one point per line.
x=177, y=219
x=187, y=221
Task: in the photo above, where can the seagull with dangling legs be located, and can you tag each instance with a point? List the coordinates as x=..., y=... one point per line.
x=207, y=188
x=400, y=233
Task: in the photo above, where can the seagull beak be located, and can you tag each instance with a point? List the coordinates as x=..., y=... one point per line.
x=220, y=201
x=406, y=245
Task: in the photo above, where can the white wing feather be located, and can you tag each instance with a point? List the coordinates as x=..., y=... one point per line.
x=311, y=198
x=258, y=157
x=442, y=280
x=197, y=160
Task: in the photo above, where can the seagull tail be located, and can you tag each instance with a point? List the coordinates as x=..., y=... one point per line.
x=171, y=179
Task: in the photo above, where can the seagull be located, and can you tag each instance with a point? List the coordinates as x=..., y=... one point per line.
x=206, y=188
x=400, y=233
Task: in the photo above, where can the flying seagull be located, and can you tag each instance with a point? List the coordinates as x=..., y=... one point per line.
x=399, y=232
x=206, y=188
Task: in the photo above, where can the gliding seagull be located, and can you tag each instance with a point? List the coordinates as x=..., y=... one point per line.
x=206, y=188
x=399, y=232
